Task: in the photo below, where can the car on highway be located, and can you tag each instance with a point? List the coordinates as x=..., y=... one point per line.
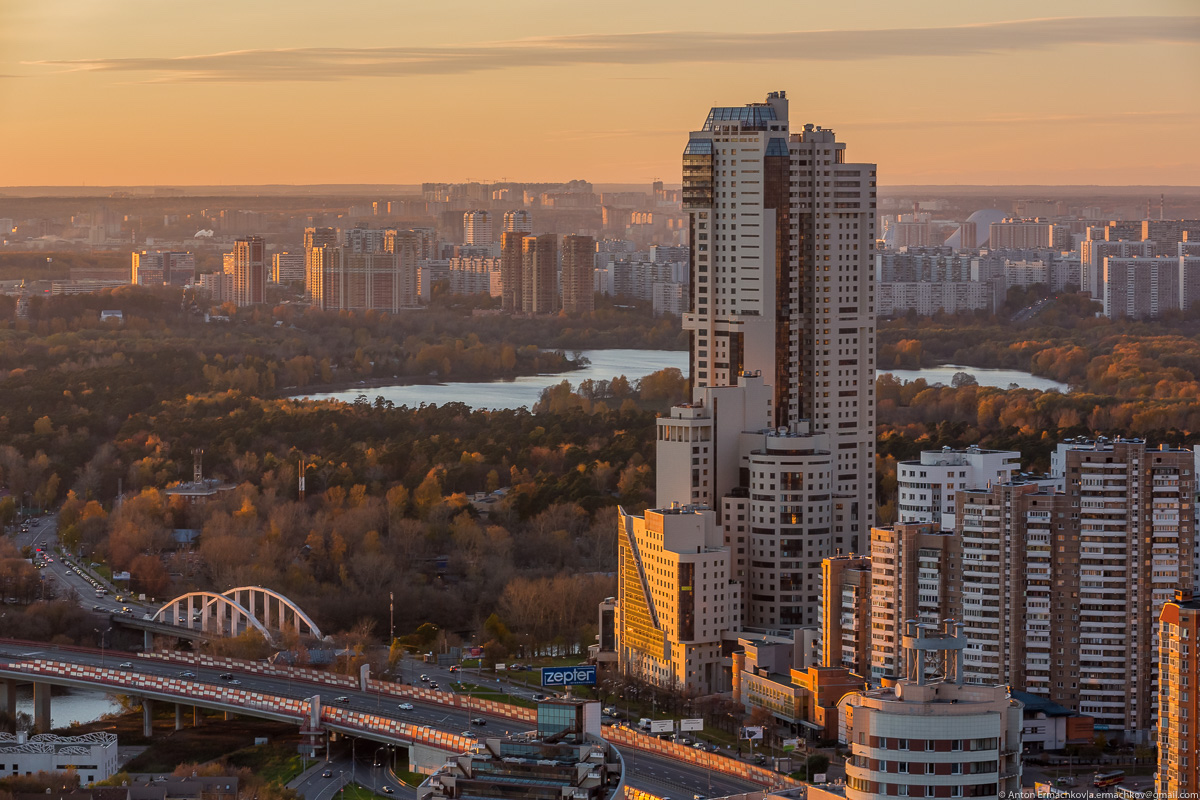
x=126, y=610
x=187, y=674
x=327, y=773
x=468, y=735
x=226, y=676
x=97, y=608
x=479, y=721
x=126, y=665
x=454, y=668
x=387, y=789
x=235, y=682
x=539, y=697
x=433, y=685
x=406, y=706
x=424, y=679
x=341, y=699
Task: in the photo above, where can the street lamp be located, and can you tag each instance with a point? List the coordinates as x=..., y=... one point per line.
x=102, y=637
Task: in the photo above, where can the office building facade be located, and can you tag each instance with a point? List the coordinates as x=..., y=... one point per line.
x=249, y=271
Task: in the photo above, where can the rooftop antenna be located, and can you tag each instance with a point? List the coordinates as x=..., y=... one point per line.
x=1162, y=198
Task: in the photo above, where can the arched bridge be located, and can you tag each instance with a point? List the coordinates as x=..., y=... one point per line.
x=234, y=612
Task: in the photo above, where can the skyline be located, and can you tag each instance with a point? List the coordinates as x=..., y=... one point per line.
x=936, y=93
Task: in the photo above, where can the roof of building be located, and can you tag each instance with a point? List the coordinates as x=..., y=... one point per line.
x=756, y=115
x=1036, y=704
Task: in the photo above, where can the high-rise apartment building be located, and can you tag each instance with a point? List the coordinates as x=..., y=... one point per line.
x=926, y=486
x=1057, y=590
x=477, y=227
x=315, y=239
x=539, y=274
x=915, y=570
x=512, y=270
x=1178, y=701
x=249, y=271
x=846, y=613
x=925, y=736
x=518, y=221
x=1141, y=288
x=375, y=269
x=578, y=264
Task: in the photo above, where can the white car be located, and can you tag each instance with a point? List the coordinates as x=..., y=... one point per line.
x=406, y=706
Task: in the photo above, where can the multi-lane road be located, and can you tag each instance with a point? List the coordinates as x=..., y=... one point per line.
x=661, y=776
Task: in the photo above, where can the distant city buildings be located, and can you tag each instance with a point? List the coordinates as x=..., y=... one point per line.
x=539, y=274
x=477, y=228
x=475, y=275
x=248, y=270
x=159, y=267
x=373, y=269
x=578, y=265
x=288, y=267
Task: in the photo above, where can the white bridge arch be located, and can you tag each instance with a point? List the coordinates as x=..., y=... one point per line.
x=234, y=612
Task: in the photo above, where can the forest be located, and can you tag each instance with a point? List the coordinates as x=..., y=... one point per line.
x=465, y=517
x=90, y=408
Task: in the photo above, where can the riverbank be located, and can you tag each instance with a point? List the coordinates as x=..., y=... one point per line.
x=337, y=387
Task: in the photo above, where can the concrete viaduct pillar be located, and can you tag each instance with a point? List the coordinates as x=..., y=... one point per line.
x=178, y=716
x=147, y=717
x=41, y=707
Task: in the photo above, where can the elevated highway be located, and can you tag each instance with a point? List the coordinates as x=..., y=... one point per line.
x=430, y=729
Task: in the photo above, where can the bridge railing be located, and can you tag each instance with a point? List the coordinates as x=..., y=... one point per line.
x=700, y=758
x=256, y=667
x=176, y=687
x=466, y=702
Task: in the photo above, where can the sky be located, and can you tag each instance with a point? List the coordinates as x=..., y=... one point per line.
x=142, y=92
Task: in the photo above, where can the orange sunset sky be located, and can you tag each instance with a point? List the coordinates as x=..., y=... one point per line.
x=133, y=92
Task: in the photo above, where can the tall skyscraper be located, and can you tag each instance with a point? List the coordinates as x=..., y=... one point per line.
x=249, y=271
x=782, y=230
x=1178, y=701
x=477, y=227
x=539, y=274
x=779, y=439
x=578, y=265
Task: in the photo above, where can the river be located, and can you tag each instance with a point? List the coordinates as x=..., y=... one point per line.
x=70, y=705
x=522, y=392
x=986, y=377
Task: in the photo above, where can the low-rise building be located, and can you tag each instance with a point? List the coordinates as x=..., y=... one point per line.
x=565, y=758
x=1045, y=725
x=92, y=756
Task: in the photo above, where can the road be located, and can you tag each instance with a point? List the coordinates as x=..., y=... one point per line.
x=643, y=771
x=59, y=572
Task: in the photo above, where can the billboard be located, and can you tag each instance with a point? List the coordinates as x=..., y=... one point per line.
x=583, y=675
x=752, y=732
x=662, y=725
x=691, y=724
x=790, y=744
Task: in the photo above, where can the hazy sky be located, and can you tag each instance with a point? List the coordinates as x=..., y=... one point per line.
x=403, y=91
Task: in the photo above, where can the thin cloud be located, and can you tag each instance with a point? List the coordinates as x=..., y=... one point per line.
x=1113, y=118
x=640, y=49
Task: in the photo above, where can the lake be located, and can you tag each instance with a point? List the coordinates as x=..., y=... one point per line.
x=522, y=392
x=986, y=377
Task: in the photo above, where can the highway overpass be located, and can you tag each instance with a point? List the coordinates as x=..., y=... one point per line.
x=430, y=730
